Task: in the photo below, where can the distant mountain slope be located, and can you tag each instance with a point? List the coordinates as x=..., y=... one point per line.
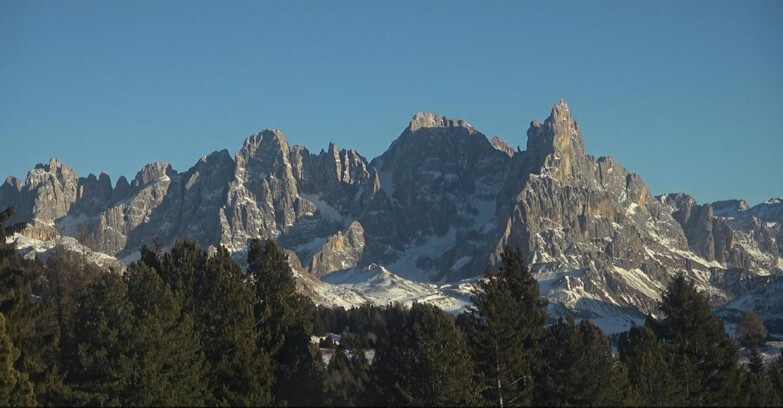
x=433, y=210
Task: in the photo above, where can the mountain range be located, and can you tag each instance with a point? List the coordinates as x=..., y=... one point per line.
x=422, y=221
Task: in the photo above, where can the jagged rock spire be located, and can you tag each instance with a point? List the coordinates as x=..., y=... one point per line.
x=556, y=146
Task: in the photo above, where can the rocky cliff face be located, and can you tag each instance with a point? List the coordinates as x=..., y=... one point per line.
x=440, y=179
x=437, y=207
x=599, y=240
x=731, y=232
x=263, y=198
x=341, y=252
x=46, y=195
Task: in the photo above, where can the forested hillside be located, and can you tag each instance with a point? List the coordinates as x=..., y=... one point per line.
x=192, y=327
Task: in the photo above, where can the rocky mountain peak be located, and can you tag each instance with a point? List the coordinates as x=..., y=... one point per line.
x=561, y=112
x=556, y=147
x=265, y=138
x=121, y=188
x=424, y=120
x=770, y=210
x=216, y=156
x=436, y=207
x=559, y=134
x=268, y=147
x=96, y=190
x=55, y=169
x=13, y=182
x=53, y=165
x=151, y=173
x=11, y=192
x=501, y=145
x=729, y=208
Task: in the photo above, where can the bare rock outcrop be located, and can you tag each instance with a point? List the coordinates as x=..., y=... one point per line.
x=342, y=251
x=439, y=205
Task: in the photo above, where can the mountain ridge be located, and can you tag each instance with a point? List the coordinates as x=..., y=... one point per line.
x=437, y=206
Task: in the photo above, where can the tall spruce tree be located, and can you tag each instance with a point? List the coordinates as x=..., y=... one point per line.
x=37, y=341
x=649, y=368
x=182, y=269
x=347, y=378
x=103, y=368
x=775, y=375
x=170, y=365
x=755, y=361
x=579, y=368
x=505, y=326
x=220, y=298
x=66, y=279
x=17, y=277
x=285, y=320
x=705, y=357
x=240, y=372
x=15, y=387
x=758, y=390
x=424, y=361
x=134, y=346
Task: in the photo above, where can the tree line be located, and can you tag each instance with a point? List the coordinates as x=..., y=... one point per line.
x=192, y=327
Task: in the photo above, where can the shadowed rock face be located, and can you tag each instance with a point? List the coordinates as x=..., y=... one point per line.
x=438, y=206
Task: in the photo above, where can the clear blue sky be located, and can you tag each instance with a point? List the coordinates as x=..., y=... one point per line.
x=687, y=94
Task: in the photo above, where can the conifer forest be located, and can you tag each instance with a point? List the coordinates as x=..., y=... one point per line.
x=192, y=327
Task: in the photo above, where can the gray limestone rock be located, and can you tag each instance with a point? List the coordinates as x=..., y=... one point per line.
x=342, y=251
x=438, y=206
x=263, y=198
x=501, y=145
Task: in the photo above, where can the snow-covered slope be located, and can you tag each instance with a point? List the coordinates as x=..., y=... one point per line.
x=380, y=286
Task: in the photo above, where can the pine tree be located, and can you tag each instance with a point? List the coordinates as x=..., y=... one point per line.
x=505, y=326
x=66, y=279
x=755, y=361
x=347, y=378
x=758, y=389
x=170, y=366
x=134, y=346
x=182, y=269
x=16, y=280
x=26, y=328
x=240, y=372
x=649, y=368
x=705, y=357
x=220, y=298
x=285, y=321
x=104, y=328
x=775, y=375
x=269, y=266
x=15, y=387
x=17, y=277
x=424, y=361
x=580, y=368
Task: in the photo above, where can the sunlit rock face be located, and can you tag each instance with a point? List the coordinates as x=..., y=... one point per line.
x=438, y=206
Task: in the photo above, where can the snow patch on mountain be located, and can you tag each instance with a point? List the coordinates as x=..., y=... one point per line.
x=410, y=262
x=380, y=286
x=32, y=248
